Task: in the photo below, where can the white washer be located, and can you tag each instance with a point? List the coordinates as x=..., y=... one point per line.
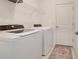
x=47, y=39
x=24, y=45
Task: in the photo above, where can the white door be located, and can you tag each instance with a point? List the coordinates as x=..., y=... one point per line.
x=64, y=17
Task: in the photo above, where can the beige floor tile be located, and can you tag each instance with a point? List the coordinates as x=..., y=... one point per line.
x=47, y=57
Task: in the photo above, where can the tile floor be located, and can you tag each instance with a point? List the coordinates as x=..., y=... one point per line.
x=48, y=56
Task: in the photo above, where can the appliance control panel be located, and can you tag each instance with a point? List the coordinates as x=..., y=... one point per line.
x=16, y=1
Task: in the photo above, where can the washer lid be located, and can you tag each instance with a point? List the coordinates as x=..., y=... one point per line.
x=6, y=36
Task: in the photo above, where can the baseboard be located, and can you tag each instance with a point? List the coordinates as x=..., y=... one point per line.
x=48, y=55
x=75, y=53
x=64, y=44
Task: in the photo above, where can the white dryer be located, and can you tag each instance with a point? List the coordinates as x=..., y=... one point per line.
x=47, y=39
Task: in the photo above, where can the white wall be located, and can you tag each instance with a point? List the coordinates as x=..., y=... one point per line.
x=26, y=13
x=48, y=17
x=6, y=11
